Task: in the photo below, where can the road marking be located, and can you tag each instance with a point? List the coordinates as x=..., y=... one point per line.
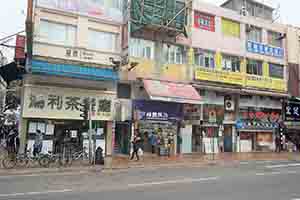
x=44, y=175
x=34, y=193
x=283, y=165
x=189, y=180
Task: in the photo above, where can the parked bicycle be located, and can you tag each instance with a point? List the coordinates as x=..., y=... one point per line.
x=21, y=160
x=51, y=158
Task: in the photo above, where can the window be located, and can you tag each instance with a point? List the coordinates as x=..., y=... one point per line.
x=205, y=58
x=173, y=54
x=117, y=4
x=254, y=34
x=273, y=39
x=204, y=21
x=230, y=28
x=103, y=41
x=231, y=63
x=141, y=48
x=254, y=67
x=62, y=34
x=276, y=71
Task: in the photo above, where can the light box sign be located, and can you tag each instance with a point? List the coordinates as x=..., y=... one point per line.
x=65, y=103
x=105, y=9
x=264, y=49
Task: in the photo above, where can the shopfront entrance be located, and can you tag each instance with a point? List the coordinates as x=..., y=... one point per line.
x=157, y=123
x=227, y=138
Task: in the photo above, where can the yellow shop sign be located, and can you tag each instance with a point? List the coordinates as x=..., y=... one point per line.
x=265, y=82
x=204, y=74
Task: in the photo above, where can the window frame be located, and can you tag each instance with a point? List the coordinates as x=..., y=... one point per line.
x=114, y=37
x=235, y=63
x=272, y=75
x=257, y=34
x=259, y=68
x=207, y=17
x=68, y=29
x=228, y=24
x=273, y=39
x=203, y=56
x=137, y=48
x=175, y=50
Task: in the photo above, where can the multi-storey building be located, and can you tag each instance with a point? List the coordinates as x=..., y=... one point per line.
x=291, y=105
x=236, y=61
x=71, y=46
x=240, y=69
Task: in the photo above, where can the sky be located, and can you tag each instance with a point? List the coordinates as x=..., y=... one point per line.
x=12, y=16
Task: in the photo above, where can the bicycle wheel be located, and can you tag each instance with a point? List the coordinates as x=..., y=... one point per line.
x=44, y=161
x=22, y=161
x=9, y=163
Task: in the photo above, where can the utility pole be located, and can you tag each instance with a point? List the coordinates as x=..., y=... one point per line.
x=90, y=133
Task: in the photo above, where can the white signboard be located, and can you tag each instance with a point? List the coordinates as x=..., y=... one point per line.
x=65, y=103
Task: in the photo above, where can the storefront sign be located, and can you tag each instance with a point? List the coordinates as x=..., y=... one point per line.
x=265, y=49
x=237, y=78
x=99, y=9
x=80, y=54
x=64, y=103
x=157, y=111
x=291, y=111
x=192, y=113
x=265, y=82
x=205, y=74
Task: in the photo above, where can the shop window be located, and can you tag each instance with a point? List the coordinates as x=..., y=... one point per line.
x=173, y=54
x=104, y=41
x=141, y=48
x=276, y=71
x=274, y=39
x=231, y=63
x=205, y=58
x=204, y=21
x=254, y=33
x=61, y=34
x=230, y=28
x=254, y=67
x=124, y=91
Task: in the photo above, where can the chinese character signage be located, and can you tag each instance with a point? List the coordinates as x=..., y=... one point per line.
x=264, y=49
x=157, y=111
x=65, y=103
x=103, y=9
x=291, y=111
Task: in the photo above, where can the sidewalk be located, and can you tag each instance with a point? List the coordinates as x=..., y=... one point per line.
x=121, y=162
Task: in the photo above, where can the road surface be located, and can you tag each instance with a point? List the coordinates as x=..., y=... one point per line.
x=261, y=180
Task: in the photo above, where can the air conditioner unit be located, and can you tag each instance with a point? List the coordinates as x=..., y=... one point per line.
x=229, y=105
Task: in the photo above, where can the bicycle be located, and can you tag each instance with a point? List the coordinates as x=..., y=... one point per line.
x=47, y=159
x=20, y=160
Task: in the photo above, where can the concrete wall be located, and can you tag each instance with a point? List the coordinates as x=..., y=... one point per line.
x=83, y=24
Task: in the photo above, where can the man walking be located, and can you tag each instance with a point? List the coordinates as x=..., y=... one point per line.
x=277, y=144
x=136, y=145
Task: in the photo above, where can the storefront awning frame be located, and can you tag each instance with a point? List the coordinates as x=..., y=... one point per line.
x=166, y=91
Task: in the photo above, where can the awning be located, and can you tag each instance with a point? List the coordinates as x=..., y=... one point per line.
x=172, y=92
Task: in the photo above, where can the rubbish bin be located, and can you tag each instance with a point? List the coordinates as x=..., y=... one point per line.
x=99, y=160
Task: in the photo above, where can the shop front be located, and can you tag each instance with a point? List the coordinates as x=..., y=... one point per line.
x=55, y=112
x=257, y=129
x=159, y=116
x=158, y=123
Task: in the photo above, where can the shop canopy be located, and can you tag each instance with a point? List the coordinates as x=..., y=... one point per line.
x=172, y=92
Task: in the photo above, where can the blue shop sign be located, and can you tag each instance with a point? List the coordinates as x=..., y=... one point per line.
x=157, y=111
x=255, y=125
x=73, y=71
x=264, y=49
